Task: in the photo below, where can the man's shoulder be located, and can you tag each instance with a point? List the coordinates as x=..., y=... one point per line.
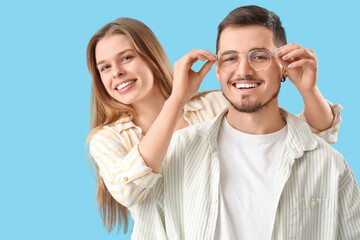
x=201, y=134
x=191, y=133
x=302, y=139
x=326, y=150
x=325, y=155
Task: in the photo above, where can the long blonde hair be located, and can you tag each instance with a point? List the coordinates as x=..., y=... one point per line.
x=105, y=110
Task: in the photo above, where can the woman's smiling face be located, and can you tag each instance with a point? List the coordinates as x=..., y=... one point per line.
x=124, y=73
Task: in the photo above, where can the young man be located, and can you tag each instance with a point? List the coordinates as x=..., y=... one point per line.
x=256, y=171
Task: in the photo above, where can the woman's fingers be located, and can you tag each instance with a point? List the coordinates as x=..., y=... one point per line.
x=193, y=56
x=186, y=62
x=293, y=50
x=205, y=69
x=293, y=55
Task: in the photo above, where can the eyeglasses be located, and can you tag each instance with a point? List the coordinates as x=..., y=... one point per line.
x=259, y=59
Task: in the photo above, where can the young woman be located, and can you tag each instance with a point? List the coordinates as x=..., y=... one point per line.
x=136, y=107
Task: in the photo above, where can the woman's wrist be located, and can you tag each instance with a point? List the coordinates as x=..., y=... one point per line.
x=176, y=102
x=312, y=93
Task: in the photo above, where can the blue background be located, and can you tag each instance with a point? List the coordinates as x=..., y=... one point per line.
x=47, y=188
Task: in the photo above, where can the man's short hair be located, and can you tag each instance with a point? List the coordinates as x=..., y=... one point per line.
x=249, y=15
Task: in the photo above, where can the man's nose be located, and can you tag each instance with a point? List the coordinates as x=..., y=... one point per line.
x=244, y=68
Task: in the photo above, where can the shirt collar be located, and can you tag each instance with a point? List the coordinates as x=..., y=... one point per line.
x=193, y=106
x=210, y=129
x=299, y=138
x=124, y=123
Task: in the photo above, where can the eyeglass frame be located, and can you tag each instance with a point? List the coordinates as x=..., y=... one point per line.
x=254, y=50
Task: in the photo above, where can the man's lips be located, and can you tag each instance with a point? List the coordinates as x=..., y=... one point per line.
x=243, y=85
x=246, y=84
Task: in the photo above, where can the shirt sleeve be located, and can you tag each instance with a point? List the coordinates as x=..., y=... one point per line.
x=173, y=170
x=349, y=206
x=329, y=135
x=126, y=175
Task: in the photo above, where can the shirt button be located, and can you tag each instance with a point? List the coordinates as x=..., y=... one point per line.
x=312, y=203
x=126, y=179
x=186, y=115
x=215, y=201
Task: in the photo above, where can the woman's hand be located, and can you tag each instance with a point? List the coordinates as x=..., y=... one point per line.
x=301, y=66
x=186, y=81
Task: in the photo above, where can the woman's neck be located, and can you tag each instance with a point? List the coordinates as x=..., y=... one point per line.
x=147, y=111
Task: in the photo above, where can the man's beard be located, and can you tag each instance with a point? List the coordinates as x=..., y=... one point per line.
x=247, y=107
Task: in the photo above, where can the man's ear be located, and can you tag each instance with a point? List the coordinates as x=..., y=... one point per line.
x=284, y=73
x=217, y=73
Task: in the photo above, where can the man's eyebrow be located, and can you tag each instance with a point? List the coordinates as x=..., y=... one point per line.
x=229, y=52
x=259, y=49
x=235, y=52
x=119, y=54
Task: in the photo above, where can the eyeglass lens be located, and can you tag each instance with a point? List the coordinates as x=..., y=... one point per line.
x=259, y=59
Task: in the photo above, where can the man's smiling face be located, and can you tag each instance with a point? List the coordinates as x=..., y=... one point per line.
x=246, y=89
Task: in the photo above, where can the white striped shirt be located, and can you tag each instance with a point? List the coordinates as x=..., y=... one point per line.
x=115, y=150
x=316, y=194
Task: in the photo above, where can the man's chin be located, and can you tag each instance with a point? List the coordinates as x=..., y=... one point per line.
x=247, y=107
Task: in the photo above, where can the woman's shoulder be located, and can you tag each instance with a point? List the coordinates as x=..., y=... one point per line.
x=211, y=94
x=114, y=129
x=214, y=100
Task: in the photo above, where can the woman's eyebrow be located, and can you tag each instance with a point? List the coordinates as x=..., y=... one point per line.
x=120, y=53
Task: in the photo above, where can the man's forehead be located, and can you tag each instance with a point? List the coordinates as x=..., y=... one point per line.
x=245, y=38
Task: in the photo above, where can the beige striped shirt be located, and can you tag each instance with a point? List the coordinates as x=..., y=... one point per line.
x=115, y=150
x=316, y=195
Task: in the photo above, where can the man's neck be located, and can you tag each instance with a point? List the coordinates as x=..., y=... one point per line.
x=264, y=121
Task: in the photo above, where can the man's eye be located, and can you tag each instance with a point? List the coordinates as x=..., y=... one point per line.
x=229, y=59
x=260, y=58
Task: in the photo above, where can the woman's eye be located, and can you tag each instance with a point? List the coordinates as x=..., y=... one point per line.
x=127, y=58
x=103, y=68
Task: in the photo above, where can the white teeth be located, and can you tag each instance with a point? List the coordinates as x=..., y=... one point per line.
x=124, y=84
x=246, y=85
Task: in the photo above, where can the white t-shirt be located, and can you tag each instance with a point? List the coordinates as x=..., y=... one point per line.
x=247, y=177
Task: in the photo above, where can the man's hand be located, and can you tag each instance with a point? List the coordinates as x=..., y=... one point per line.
x=187, y=81
x=301, y=65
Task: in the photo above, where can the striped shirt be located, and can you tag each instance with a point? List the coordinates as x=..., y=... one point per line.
x=316, y=195
x=115, y=150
